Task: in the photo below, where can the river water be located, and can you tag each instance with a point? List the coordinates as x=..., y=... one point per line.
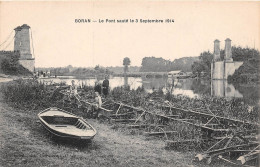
x=188, y=87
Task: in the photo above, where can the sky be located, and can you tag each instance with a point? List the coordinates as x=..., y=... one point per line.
x=58, y=41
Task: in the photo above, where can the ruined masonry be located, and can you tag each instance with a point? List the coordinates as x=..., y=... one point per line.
x=22, y=44
x=221, y=69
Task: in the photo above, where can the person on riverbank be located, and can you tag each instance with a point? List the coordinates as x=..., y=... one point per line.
x=97, y=104
x=105, y=86
x=98, y=87
x=74, y=92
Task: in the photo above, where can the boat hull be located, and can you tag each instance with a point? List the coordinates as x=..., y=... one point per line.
x=66, y=125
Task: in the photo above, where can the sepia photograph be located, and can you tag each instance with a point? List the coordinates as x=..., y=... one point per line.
x=129, y=83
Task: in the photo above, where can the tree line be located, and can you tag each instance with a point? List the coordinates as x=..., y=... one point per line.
x=153, y=64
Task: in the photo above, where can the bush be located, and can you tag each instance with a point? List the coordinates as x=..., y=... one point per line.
x=26, y=93
x=9, y=64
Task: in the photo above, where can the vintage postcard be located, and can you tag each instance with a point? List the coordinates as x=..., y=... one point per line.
x=129, y=83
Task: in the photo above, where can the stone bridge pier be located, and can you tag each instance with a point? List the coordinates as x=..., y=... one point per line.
x=23, y=45
x=221, y=69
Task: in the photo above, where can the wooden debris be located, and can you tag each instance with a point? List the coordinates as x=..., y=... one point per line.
x=173, y=115
x=123, y=120
x=144, y=126
x=174, y=119
x=121, y=115
x=158, y=133
x=184, y=141
x=104, y=109
x=203, y=119
x=212, y=153
x=250, y=156
x=210, y=115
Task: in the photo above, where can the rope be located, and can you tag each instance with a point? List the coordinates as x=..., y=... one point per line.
x=9, y=43
x=6, y=38
x=32, y=44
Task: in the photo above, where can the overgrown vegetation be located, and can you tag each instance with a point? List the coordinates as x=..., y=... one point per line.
x=35, y=95
x=9, y=64
x=248, y=72
x=28, y=94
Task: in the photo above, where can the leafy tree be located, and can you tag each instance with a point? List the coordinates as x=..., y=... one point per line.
x=197, y=67
x=183, y=64
x=97, y=67
x=154, y=64
x=240, y=54
x=243, y=54
x=126, y=63
x=203, y=65
x=206, y=59
x=249, y=71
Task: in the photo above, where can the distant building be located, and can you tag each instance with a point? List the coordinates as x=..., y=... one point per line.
x=177, y=74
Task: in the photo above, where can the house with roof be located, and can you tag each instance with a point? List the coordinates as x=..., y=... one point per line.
x=177, y=74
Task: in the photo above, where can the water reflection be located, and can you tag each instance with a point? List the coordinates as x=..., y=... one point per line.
x=125, y=82
x=201, y=86
x=183, y=87
x=221, y=88
x=154, y=83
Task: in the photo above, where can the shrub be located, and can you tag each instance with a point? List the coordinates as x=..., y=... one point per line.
x=26, y=93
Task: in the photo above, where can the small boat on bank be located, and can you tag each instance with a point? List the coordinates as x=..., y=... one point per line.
x=66, y=125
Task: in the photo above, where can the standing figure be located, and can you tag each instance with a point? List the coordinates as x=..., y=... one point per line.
x=97, y=104
x=98, y=87
x=74, y=92
x=105, y=86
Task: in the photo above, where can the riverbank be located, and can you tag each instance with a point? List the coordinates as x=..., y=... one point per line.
x=24, y=142
x=8, y=78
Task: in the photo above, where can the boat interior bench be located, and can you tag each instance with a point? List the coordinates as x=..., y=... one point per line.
x=61, y=121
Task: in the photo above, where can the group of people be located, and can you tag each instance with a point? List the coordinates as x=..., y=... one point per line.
x=99, y=89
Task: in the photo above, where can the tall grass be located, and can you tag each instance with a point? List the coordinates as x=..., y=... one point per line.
x=131, y=97
x=30, y=94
